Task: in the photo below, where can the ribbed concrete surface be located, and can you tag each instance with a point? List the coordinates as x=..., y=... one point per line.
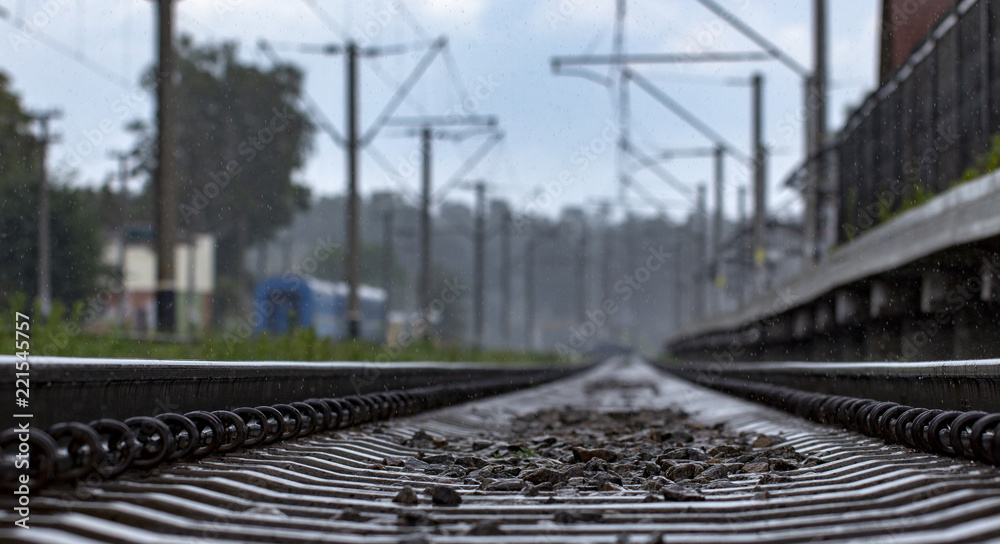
x=323, y=489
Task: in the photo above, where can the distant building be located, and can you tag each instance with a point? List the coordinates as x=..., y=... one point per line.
x=905, y=24
x=194, y=266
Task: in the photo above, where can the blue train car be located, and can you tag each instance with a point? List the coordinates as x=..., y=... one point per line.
x=291, y=301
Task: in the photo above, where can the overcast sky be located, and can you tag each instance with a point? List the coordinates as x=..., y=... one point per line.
x=501, y=51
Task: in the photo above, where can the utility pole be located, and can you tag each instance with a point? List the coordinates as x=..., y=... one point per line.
x=815, y=129
x=191, y=302
x=428, y=129
x=529, y=292
x=679, y=269
x=480, y=261
x=816, y=137
x=717, y=228
x=624, y=119
x=44, y=272
x=605, y=211
x=632, y=237
x=353, y=221
x=287, y=247
x=122, y=158
x=741, y=202
x=742, y=254
x=534, y=234
x=505, y=278
x=354, y=142
x=165, y=175
x=425, y=229
x=581, y=275
x=759, y=185
x=388, y=258
x=620, y=59
x=701, y=269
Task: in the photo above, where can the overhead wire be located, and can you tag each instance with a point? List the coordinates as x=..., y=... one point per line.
x=312, y=107
x=418, y=29
x=127, y=37
x=447, y=54
x=374, y=153
x=328, y=21
x=385, y=164
x=81, y=23
x=373, y=62
x=210, y=31
x=456, y=78
x=451, y=64
x=20, y=25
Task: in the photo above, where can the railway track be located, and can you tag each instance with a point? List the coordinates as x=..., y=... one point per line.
x=621, y=452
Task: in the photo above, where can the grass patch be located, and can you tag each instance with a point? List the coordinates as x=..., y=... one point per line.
x=522, y=453
x=64, y=337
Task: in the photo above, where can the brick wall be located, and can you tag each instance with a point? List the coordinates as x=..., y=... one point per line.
x=904, y=25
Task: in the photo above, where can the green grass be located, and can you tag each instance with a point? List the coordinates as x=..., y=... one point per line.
x=917, y=193
x=63, y=337
x=522, y=453
x=985, y=163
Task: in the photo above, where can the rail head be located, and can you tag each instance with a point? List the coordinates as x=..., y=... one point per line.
x=945, y=385
x=85, y=389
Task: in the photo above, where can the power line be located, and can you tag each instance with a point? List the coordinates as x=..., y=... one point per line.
x=456, y=79
x=418, y=29
x=312, y=108
x=756, y=37
x=686, y=115
x=21, y=26
x=658, y=58
x=327, y=21
x=383, y=162
x=44, y=271
x=355, y=141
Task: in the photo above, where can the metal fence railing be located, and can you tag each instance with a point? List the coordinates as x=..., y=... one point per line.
x=917, y=134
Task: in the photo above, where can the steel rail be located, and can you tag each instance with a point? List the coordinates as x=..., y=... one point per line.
x=945, y=408
x=943, y=385
x=136, y=435
x=90, y=389
x=338, y=488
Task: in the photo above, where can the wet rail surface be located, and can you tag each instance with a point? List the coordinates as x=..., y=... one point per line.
x=345, y=485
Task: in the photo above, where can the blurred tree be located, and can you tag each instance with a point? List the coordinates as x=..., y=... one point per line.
x=240, y=137
x=75, y=245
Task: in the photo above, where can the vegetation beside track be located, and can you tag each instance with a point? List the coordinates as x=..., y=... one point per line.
x=63, y=336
